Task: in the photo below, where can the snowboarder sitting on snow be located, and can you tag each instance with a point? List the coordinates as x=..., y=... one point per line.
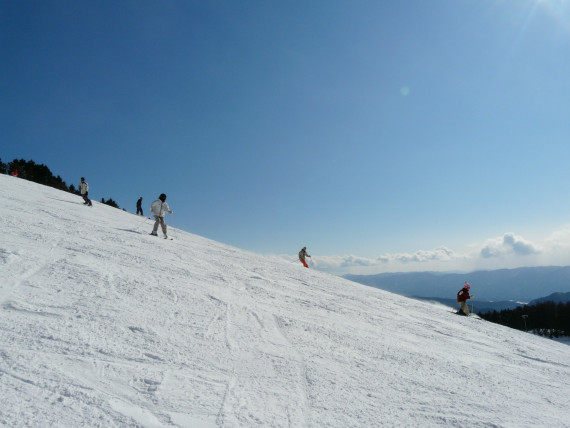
x=84, y=190
x=139, y=206
x=158, y=208
x=302, y=255
x=462, y=297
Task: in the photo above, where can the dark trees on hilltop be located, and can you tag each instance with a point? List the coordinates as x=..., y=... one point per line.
x=109, y=202
x=40, y=173
x=547, y=319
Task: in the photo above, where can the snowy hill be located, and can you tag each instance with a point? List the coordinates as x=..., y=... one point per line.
x=103, y=325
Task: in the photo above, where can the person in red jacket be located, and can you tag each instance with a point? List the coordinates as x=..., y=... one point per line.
x=462, y=297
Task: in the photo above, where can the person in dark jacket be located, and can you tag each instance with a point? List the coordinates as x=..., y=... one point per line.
x=462, y=297
x=139, y=206
x=84, y=190
x=302, y=255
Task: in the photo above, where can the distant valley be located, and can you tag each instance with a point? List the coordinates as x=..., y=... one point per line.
x=494, y=290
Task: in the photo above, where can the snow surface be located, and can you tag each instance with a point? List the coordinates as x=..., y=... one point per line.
x=103, y=325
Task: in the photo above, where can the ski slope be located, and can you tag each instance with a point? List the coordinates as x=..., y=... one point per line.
x=103, y=325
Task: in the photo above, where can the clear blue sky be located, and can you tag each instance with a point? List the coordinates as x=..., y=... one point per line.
x=372, y=132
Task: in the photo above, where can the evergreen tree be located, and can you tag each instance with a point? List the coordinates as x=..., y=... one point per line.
x=109, y=202
x=40, y=173
x=546, y=319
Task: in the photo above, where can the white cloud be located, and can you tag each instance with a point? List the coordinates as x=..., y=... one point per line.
x=420, y=256
x=420, y=260
x=508, y=244
x=507, y=251
x=345, y=261
x=559, y=240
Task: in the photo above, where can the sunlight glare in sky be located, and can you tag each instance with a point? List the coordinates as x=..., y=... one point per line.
x=558, y=10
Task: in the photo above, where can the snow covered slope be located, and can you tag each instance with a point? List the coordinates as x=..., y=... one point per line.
x=103, y=325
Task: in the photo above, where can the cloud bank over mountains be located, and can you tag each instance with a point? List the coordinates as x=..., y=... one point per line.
x=509, y=244
x=507, y=251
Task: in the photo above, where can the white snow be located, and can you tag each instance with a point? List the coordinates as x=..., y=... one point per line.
x=103, y=325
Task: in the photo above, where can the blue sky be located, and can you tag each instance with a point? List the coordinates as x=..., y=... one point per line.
x=384, y=136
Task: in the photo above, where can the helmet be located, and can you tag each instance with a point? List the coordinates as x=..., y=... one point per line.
x=162, y=197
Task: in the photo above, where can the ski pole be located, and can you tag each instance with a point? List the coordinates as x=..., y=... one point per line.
x=140, y=223
x=172, y=225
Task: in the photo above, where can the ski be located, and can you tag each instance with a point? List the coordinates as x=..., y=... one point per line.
x=471, y=315
x=164, y=237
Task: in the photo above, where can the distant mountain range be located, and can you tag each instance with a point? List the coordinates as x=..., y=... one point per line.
x=489, y=306
x=554, y=297
x=503, y=287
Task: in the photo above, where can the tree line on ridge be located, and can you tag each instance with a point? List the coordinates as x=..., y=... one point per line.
x=41, y=174
x=545, y=319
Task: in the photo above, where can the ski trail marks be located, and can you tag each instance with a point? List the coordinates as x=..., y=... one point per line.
x=22, y=268
x=268, y=382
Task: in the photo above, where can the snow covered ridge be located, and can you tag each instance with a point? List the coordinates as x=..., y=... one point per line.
x=103, y=325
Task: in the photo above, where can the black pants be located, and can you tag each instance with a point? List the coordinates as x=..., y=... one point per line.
x=86, y=199
x=139, y=209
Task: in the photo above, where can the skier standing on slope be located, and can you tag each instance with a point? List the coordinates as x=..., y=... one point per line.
x=139, y=206
x=158, y=208
x=84, y=190
x=302, y=255
x=462, y=297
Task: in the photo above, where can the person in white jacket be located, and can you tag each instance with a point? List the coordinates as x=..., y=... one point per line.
x=158, y=208
x=84, y=190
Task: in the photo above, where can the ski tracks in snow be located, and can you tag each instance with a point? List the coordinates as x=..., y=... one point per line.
x=264, y=365
x=104, y=327
x=25, y=268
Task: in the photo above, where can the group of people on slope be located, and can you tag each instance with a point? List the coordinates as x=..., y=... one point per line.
x=158, y=208
x=462, y=296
